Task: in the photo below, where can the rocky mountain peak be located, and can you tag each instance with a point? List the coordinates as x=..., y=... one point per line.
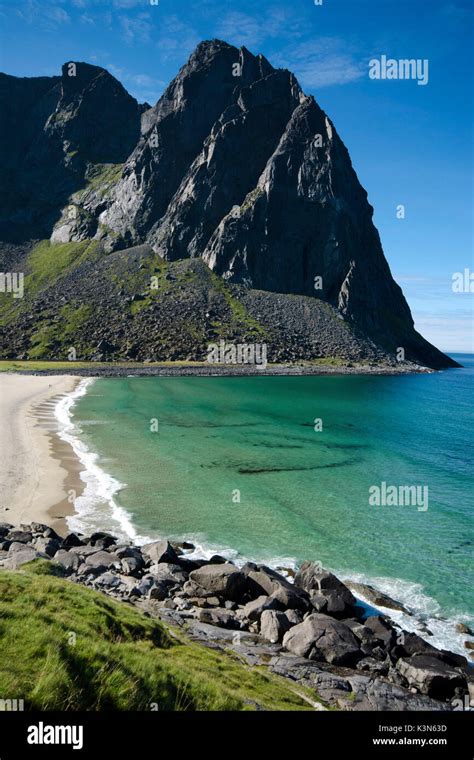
x=233, y=165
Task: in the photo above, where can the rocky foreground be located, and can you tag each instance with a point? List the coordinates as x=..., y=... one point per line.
x=312, y=631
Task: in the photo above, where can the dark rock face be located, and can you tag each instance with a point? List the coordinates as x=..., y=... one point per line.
x=234, y=165
x=52, y=129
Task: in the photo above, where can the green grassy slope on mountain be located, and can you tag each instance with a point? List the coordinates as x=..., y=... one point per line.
x=133, y=305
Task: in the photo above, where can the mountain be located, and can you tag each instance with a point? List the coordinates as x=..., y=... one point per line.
x=234, y=166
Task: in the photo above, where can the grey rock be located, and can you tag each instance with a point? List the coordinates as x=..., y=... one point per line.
x=160, y=551
x=102, y=540
x=21, y=536
x=21, y=557
x=328, y=594
x=224, y=580
x=320, y=637
x=72, y=540
x=102, y=560
x=383, y=630
x=67, y=560
x=131, y=565
x=375, y=597
x=254, y=609
x=431, y=676
x=17, y=546
x=273, y=625
x=219, y=616
x=294, y=617
x=48, y=546
x=167, y=573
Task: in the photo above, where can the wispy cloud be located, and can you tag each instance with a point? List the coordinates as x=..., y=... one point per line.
x=48, y=15
x=136, y=28
x=241, y=28
x=441, y=316
x=176, y=38
x=322, y=62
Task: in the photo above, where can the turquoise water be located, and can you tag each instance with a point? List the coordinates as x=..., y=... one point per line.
x=237, y=463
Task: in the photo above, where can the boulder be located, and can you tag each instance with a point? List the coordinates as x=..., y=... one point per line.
x=167, y=573
x=219, y=616
x=384, y=632
x=159, y=591
x=294, y=617
x=254, y=609
x=102, y=560
x=322, y=638
x=18, y=546
x=83, y=550
x=72, y=540
x=21, y=557
x=290, y=598
x=160, y=551
x=431, y=676
x=48, y=546
x=264, y=580
x=376, y=598
x=102, y=540
x=22, y=536
x=273, y=625
x=132, y=565
x=68, y=560
x=328, y=594
x=226, y=581
x=338, y=603
x=378, y=695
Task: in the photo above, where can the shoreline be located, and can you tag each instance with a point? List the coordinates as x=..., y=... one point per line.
x=57, y=463
x=204, y=369
x=38, y=468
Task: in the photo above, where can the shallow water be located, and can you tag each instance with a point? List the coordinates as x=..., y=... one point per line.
x=237, y=463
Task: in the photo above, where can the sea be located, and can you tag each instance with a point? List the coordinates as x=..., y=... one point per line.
x=370, y=475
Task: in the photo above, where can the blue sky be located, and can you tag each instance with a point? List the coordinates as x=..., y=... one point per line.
x=409, y=144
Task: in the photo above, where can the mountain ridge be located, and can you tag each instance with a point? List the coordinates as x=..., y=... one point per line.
x=234, y=165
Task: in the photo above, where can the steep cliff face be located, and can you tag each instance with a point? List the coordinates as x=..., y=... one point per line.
x=234, y=165
x=54, y=129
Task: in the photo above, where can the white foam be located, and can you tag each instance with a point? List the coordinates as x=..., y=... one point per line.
x=96, y=508
x=426, y=614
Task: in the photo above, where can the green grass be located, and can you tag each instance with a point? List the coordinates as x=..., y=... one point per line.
x=64, y=646
x=239, y=314
x=46, y=263
x=14, y=365
x=103, y=176
x=61, y=331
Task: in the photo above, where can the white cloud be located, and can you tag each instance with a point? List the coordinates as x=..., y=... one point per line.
x=137, y=28
x=321, y=62
x=47, y=15
x=240, y=28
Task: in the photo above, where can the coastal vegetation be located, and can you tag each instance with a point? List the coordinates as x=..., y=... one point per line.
x=83, y=651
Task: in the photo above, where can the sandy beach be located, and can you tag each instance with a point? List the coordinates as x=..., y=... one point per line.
x=38, y=469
